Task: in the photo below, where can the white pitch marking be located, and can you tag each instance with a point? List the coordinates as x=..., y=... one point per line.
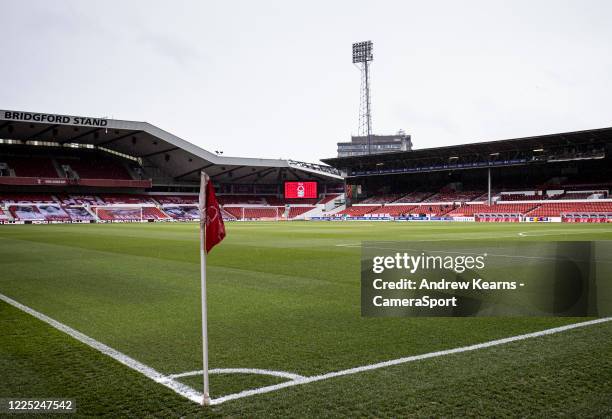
x=196, y=397
x=563, y=232
x=145, y=370
x=283, y=374
x=404, y=360
x=450, y=238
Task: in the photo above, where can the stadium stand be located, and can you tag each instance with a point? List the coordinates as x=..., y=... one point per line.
x=241, y=200
x=485, y=195
x=115, y=214
x=431, y=210
x=112, y=207
x=273, y=201
x=381, y=199
x=471, y=196
x=297, y=211
x=74, y=199
x=286, y=201
x=79, y=214
x=154, y=213
x=227, y=216
x=453, y=196
x=262, y=213
x=18, y=198
x=26, y=213
x=521, y=197
x=599, y=194
x=235, y=212
x=130, y=213
x=125, y=199
x=469, y=210
x=54, y=179
x=359, y=210
x=557, y=209
x=176, y=199
x=414, y=197
x=328, y=198
x=95, y=167
x=31, y=166
x=393, y=210
x=255, y=213
x=53, y=213
x=183, y=213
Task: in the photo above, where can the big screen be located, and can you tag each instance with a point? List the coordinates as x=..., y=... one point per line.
x=301, y=190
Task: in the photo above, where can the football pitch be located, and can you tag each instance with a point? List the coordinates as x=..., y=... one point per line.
x=284, y=306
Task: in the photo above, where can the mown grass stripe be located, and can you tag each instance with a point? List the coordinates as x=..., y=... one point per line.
x=145, y=370
x=350, y=371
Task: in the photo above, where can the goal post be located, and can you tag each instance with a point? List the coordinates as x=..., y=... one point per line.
x=261, y=213
x=120, y=213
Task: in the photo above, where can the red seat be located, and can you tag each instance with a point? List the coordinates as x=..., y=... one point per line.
x=19, y=198
x=431, y=210
x=469, y=210
x=241, y=213
x=176, y=199
x=122, y=199
x=26, y=213
x=393, y=210
x=263, y=212
x=359, y=210
x=31, y=166
x=328, y=198
x=96, y=167
x=453, y=196
x=556, y=209
x=295, y=211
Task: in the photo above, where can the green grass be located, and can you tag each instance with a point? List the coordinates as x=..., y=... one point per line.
x=283, y=296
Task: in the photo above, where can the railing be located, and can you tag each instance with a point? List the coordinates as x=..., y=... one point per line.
x=316, y=167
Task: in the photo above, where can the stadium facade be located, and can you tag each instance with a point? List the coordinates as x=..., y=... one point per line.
x=558, y=177
x=73, y=168
x=358, y=146
x=64, y=168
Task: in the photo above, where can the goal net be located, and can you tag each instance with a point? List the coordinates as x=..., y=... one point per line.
x=120, y=213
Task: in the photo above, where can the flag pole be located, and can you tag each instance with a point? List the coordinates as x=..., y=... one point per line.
x=203, y=181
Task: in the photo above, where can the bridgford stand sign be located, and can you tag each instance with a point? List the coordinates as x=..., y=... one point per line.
x=53, y=118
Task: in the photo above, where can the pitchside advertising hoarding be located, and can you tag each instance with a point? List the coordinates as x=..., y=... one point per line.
x=297, y=190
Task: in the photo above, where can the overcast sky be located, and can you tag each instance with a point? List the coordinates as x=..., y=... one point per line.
x=275, y=78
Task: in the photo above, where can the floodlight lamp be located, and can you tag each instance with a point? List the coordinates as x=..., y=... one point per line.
x=362, y=52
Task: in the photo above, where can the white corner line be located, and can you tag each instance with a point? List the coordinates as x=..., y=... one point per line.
x=195, y=396
x=404, y=360
x=145, y=370
x=282, y=374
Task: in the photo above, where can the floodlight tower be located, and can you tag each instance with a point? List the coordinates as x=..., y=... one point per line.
x=362, y=55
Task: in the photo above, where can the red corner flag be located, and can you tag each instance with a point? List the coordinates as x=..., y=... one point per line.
x=212, y=231
x=210, y=214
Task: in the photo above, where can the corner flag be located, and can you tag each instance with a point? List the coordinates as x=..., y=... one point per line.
x=215, y=229
x=212, y=231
